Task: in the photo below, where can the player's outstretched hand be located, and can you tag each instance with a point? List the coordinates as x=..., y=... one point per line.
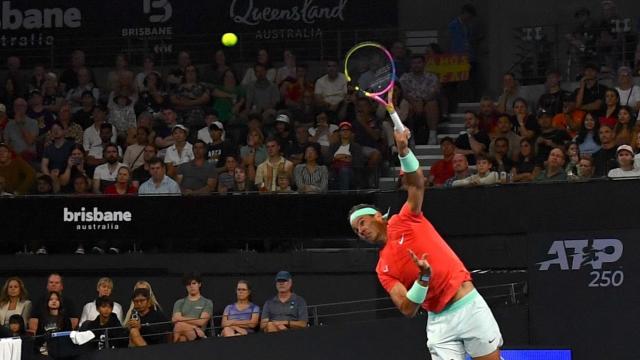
x=402, y=141
x=421, y=263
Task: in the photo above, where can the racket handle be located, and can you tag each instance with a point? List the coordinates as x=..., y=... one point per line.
x=397, y=123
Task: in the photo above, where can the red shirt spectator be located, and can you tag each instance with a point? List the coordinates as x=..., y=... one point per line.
x=442, y=170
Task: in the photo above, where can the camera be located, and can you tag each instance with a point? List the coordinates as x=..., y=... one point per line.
x=135, y=316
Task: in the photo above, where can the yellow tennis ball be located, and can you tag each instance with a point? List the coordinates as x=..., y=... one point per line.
x=229, y=39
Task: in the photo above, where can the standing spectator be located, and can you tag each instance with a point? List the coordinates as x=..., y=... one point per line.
x=524, y=167
x=461, y=39
x=510, y=92
x=192, y=313
x=105, y=318
x=41, y=307
x=56, y=154
x=460, y=170
x=552, y=100
x=91, y=136
x=484, y=176
x=107, y=173
x=504, y=129
x=17, y=174
x=286, y=310
x=442, y=169
x=142, y=284
x=176, y=76
x=189, y=99
x=473, y=141
x=148, y=66
x=90, y=311
x=554, y=169
x=311, y=176
x=288, y=70
x=623, y=128
x=180, y=152
x=85, y=83
x=198, y=176
x=569, y=118
x=153, y=97
x=72, y=130
x=145, y=313
x=229, y=98
x=141, y=173
x=588, y=139
x=122, y=185
x=266, y=173
x=14, y=300
x=262, y=94
x=626, y=168
x=263, y=59
x=53, y=319
x=331, y=89
x=133, y=155
x=549, y=138
x=422, y=89
x=159, y=183
x=346, y=159
x=628, y=91
x=213, y=74
x=21, y=132
x=525, y=123
x=605, y=158
x=590, y=94
x=243, y=316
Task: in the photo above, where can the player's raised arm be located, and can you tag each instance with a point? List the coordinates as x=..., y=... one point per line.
x=412, y=172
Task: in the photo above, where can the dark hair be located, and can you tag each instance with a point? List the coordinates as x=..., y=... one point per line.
x=254, y=116
x=107, y=126
x=87, y=93
x=56, y=294
x=613, y=90
x=110, y=145
x=358, y=207
x=141, y=292
x=46, y=178
x=582, y=133
x=447, y=139
x=156, y=160
x=246, y=282
x=200, y=141
x=532, y=155
x=483, y=156
x=102, y=301
x=468, y=9
x=268, y=65
x=522, y=100
x=273, y=139
x=189, y=277
x=159, y=82
x=501, y=138
x=18, y=319
x=101, y=107
x=257, y=65
x=316, y=147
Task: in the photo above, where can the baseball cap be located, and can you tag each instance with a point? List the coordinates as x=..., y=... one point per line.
x=283, y=118
x=3, y=108
x=345, y=124
x=625, y=147
x=283, y=276
x=216, y=125
x=180, y=126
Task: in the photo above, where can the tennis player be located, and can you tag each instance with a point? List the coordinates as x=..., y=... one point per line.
x=418, y=269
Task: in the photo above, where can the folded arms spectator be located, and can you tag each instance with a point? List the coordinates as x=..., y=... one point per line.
x=286, y=310
x=192, y=313
x=243, y=316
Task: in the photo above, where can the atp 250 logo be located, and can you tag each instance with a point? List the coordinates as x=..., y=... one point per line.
x=599, y=255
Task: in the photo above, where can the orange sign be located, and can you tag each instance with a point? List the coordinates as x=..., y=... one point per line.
x=448, y=67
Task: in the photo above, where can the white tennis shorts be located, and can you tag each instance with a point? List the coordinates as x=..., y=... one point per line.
x=464, y=327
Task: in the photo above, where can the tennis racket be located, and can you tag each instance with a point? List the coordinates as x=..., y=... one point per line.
x=370, y=69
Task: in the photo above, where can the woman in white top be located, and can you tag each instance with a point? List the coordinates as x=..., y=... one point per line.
x=90, y=311
x=13, y=300
x=629, y=93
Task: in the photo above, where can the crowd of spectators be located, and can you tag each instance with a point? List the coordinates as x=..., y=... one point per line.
x=145, y=322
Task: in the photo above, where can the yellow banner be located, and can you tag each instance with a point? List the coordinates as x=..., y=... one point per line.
x=448, y=67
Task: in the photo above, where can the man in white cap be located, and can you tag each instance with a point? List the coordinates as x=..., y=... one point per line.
x=179, y=153
x=624, y=155
x=219, y=147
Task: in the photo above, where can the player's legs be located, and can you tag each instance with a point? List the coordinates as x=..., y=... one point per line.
x=443, y=344
x=479, y=331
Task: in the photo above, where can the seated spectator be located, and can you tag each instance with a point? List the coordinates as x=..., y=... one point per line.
x=569, y=118
x=52, y=319
x=81, y=185
x=106, y=318
x=14, y=300
x=95, y=156
x=266, y=173
x=346, y=159
x=4, y=120
x=39, y=113
x=122, y=116
x=69, y=77
x=90, y=310
x=91, y=137
x=198, y=176
x=44, y=185
x=460, y=170
x=153, y=97
x=229, y=99
x=192, y=313
x=442, y=169
x=219, y=145
x=626, y=167
x=52, y=96
x=549, y=137
x=585, y=169
x=422, y=90
x=214, y=72
x=164, y=133
x=623, y=128
x=142, y=284
x=3, y=184
x=295, y=151
x=525, y=123
x=324, y=133
x=554, y=97
x=176, y=75
x=331, y=89
x=72, y=130
x=484, y=176
x=311, y=176
x=65, y=305
x=21, y=132
x=189, y=99
x=243, y=316
x=107, y=173
x=56, y=154
x=142, y=174
x=367, y=132
x=75, y=167
x=241, y=184
x=254, y=153
x=588, y=138
x=145, y=120
x=262, y=58
x=85, y=83
x=573, y=158
x=262, y=94
x=180, y=152
x=605, y=158
x=283, y=182
x=510, y=92
x=473, y=141
x=294, y=92
x=288, y=70
x=133, y=156
x=636, y=146
x=488, y=116
x=227, y=174
x=504, y=129
x=18, y=175
x=209, y=118
x=16, y=327
x=144, y=313
x=122, y=185
x=286, y=310
x=283, y=132
x=148, y=66
x=554, y=168
x=590, y=94
x=503, y=161
x=121, y=66
x=159, y=183
x=609, y=112
x=628, y=91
